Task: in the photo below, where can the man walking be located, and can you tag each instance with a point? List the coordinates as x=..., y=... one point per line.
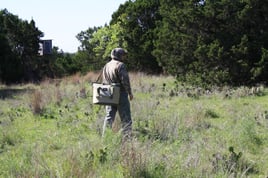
x=115, y=72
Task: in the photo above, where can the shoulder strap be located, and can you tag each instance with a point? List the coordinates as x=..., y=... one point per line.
x=100, y=76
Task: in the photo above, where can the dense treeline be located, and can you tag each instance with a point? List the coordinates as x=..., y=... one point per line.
x=19, y=43
x=210, y=41
x=198, y=41
x=19, y=55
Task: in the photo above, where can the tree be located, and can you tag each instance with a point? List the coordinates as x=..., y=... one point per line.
x=138, y=22
x=20, y=41
x=98, y=43
x=215, y=42
x=86, y=50
x=132, y=27
x=94, y=44
x=177, y=37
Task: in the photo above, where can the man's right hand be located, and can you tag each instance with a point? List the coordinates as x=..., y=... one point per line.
x=131, y=97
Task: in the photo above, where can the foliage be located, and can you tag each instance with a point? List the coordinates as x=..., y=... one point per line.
x=19, y=48
x=132, y=27
x=213, y=41
x=139, y=20
x=201, y=42
x=86, y=50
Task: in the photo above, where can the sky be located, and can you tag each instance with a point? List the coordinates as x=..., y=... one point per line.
x=62, y=20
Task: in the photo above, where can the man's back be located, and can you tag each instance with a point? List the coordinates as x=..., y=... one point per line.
x=111, y=72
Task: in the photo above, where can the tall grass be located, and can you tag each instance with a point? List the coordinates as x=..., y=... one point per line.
x=54, y=130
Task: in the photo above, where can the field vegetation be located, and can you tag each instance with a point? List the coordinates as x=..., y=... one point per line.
x=53, y=130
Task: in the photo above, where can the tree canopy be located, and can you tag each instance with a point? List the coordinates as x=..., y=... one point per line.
x=214, y=41
x=198, y=41
x=19, y=41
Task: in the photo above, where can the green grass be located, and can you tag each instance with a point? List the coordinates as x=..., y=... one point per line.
x=54, y=130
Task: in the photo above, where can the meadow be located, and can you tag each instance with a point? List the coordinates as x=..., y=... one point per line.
x=53, y=130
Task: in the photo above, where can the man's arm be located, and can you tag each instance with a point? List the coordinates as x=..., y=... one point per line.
x=124, y=78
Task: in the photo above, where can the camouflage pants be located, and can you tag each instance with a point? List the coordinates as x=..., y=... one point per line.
x=124, y=112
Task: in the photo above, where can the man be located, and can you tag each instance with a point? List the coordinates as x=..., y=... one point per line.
x=115, y=72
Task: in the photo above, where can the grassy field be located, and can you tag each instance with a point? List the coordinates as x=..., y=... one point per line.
x=54, y=130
